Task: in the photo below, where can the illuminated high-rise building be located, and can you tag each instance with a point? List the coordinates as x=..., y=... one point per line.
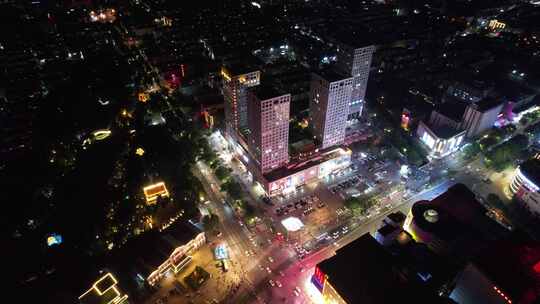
x=356, y=62
x=330, y=94
x=236, y=81
x=268, y=122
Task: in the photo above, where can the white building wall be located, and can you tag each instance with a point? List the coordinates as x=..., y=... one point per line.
x=329, y=108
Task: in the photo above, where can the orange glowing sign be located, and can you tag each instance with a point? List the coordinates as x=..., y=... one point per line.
x=143, y=97
x=152, y=192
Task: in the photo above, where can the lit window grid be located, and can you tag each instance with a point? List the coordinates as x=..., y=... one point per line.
x=274, y=132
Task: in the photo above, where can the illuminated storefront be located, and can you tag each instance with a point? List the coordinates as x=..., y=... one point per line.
x=288, y=179
x=178, y=259
x=440, y=142
x=328, y=292
x=525, y=185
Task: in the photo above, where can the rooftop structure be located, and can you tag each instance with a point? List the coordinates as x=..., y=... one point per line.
x=507, y=271
x=154, y=253
x=454, y=223
x=104, y=291
x=152, y=192
x=366, y=272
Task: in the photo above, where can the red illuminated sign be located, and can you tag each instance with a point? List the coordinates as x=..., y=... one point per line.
x=318, y=279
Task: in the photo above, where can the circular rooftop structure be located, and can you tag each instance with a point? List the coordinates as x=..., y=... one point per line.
x=431, y=215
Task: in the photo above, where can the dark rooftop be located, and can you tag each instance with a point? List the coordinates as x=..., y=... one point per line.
x=356, y=39
x=397, y=217
x=531, y=169
x=452, y=108
x=150, y=250
x=387, y=229
x=444, y=132
x=331, y=75
x=488, y=103
x=365, y=272
x=266, y=91
x=246, y=65
x=461, y=221
x=519, y=274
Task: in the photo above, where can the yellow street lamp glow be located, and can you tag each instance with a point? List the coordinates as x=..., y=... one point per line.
x=101, y=134
x=139, y=151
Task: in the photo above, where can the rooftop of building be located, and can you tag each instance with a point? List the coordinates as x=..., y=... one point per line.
x=266, y=91
x=321, y=157
x=397, y=217
x=331, y=75
x=242, y=66
x=488, y=103
x=519, y=274
x=356, y=38
x=146, y=252
x=531, y=169
x=452, y=108
x=387, y=229
x=365, y=271
x=444, y=132
x=456, y=217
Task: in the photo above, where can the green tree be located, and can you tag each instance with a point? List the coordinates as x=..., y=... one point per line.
x=352, y=203
x=222, y=173
x=471, y=150
x=360, y=204
x=233, y=188
x=503, y=155
x=210, y=222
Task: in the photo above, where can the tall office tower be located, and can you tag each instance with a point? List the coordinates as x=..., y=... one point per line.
x=356, y=62
x=330, y=94
x=268, y=122
x=236, y=81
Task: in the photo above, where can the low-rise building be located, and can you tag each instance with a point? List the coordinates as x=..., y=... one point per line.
x=153, y=254
x=104, y=290
x=454, y=223
x=326, y=162
x=365, y=271
x=481, y=116
x=442, y=140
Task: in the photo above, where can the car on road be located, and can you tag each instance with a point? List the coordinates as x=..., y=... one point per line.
x=278, y=283
x=272, y=283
